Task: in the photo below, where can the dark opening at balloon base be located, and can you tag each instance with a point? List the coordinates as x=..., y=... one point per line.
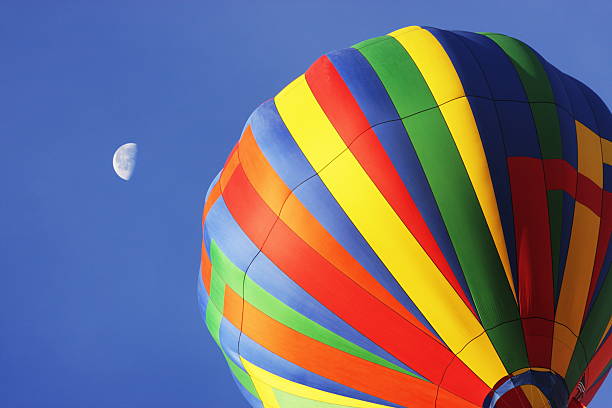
x=531, y=387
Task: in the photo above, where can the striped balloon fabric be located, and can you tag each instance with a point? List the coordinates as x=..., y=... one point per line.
x=420, y=220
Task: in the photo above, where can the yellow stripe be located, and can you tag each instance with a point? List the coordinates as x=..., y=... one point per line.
x=605, y=332
x=433, y=62
x=535, y=396
x=564, y=342
x=524, y=370
x=404, y=30
x=443, y=81
x=581, y=253
x=386, y=234
x=589, y=154
x=273, y=381
x=265, y=392
x=576, y=279
x=606, y=147
x=305, y=114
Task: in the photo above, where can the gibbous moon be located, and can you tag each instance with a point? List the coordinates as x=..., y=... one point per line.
x=124, y=160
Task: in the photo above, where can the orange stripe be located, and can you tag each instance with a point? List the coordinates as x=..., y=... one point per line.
x=299, y=220
x=334, y=364
x=273, y=191
x=205, y=269
x=260, y=173
x=229, y=167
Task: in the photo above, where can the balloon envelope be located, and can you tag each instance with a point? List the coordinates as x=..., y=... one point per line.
x=420, y=220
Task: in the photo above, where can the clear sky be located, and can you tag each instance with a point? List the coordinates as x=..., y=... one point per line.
x=98, y=300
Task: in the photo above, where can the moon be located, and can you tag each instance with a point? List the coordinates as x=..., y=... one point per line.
x=124, y=160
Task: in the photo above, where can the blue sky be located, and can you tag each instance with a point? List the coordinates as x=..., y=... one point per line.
x=97, y=276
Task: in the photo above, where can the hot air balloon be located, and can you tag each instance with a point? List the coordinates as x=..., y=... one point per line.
x=420, y=220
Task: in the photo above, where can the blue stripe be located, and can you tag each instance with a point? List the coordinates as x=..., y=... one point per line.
x=569, y=141
x=467, y=67
x=504, y=82
x=228, y=235
x=488, y=124
x=518, y=129
x=293, y=168
x=375, y=103
x=607, y=173
x=555, y=79
x=250, y=398
x=364, y=85
x=567, y=127
x=229, y=336
x=580, y=106
x=239, y=249
x=603, y=118
x=566, y=234
x=399, y=148
x=212, y=184
x=321, y=204
x=605, y=270
x=269, y=277
x=203, y=298
x=515, y=116
x=278, y=146
x=604, y=340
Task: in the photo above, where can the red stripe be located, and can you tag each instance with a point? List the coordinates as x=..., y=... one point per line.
x=342, y=110
x=560, y=175
x=598, y=363
x=336, y=100
x=331, y=363
x=271, y=188
x=515, y=398
x=251, y=213
x=575, y=404
x=454, y=380
x=532, y=230
x=588, y=396
x=589, y=194
x=336, y=291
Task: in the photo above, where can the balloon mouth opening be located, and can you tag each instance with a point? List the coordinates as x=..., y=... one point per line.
x=529, y=387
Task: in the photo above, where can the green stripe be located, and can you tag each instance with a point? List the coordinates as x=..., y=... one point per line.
x=213, y=323
x=243, y=377
x=542, y=102
x=277, y=310
x=528, y=66
x=592, y=331
x=455, y=196
x=215, y=304
x=539, y=93
x=397, y=71
x=286, y=400
x=371, y=41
